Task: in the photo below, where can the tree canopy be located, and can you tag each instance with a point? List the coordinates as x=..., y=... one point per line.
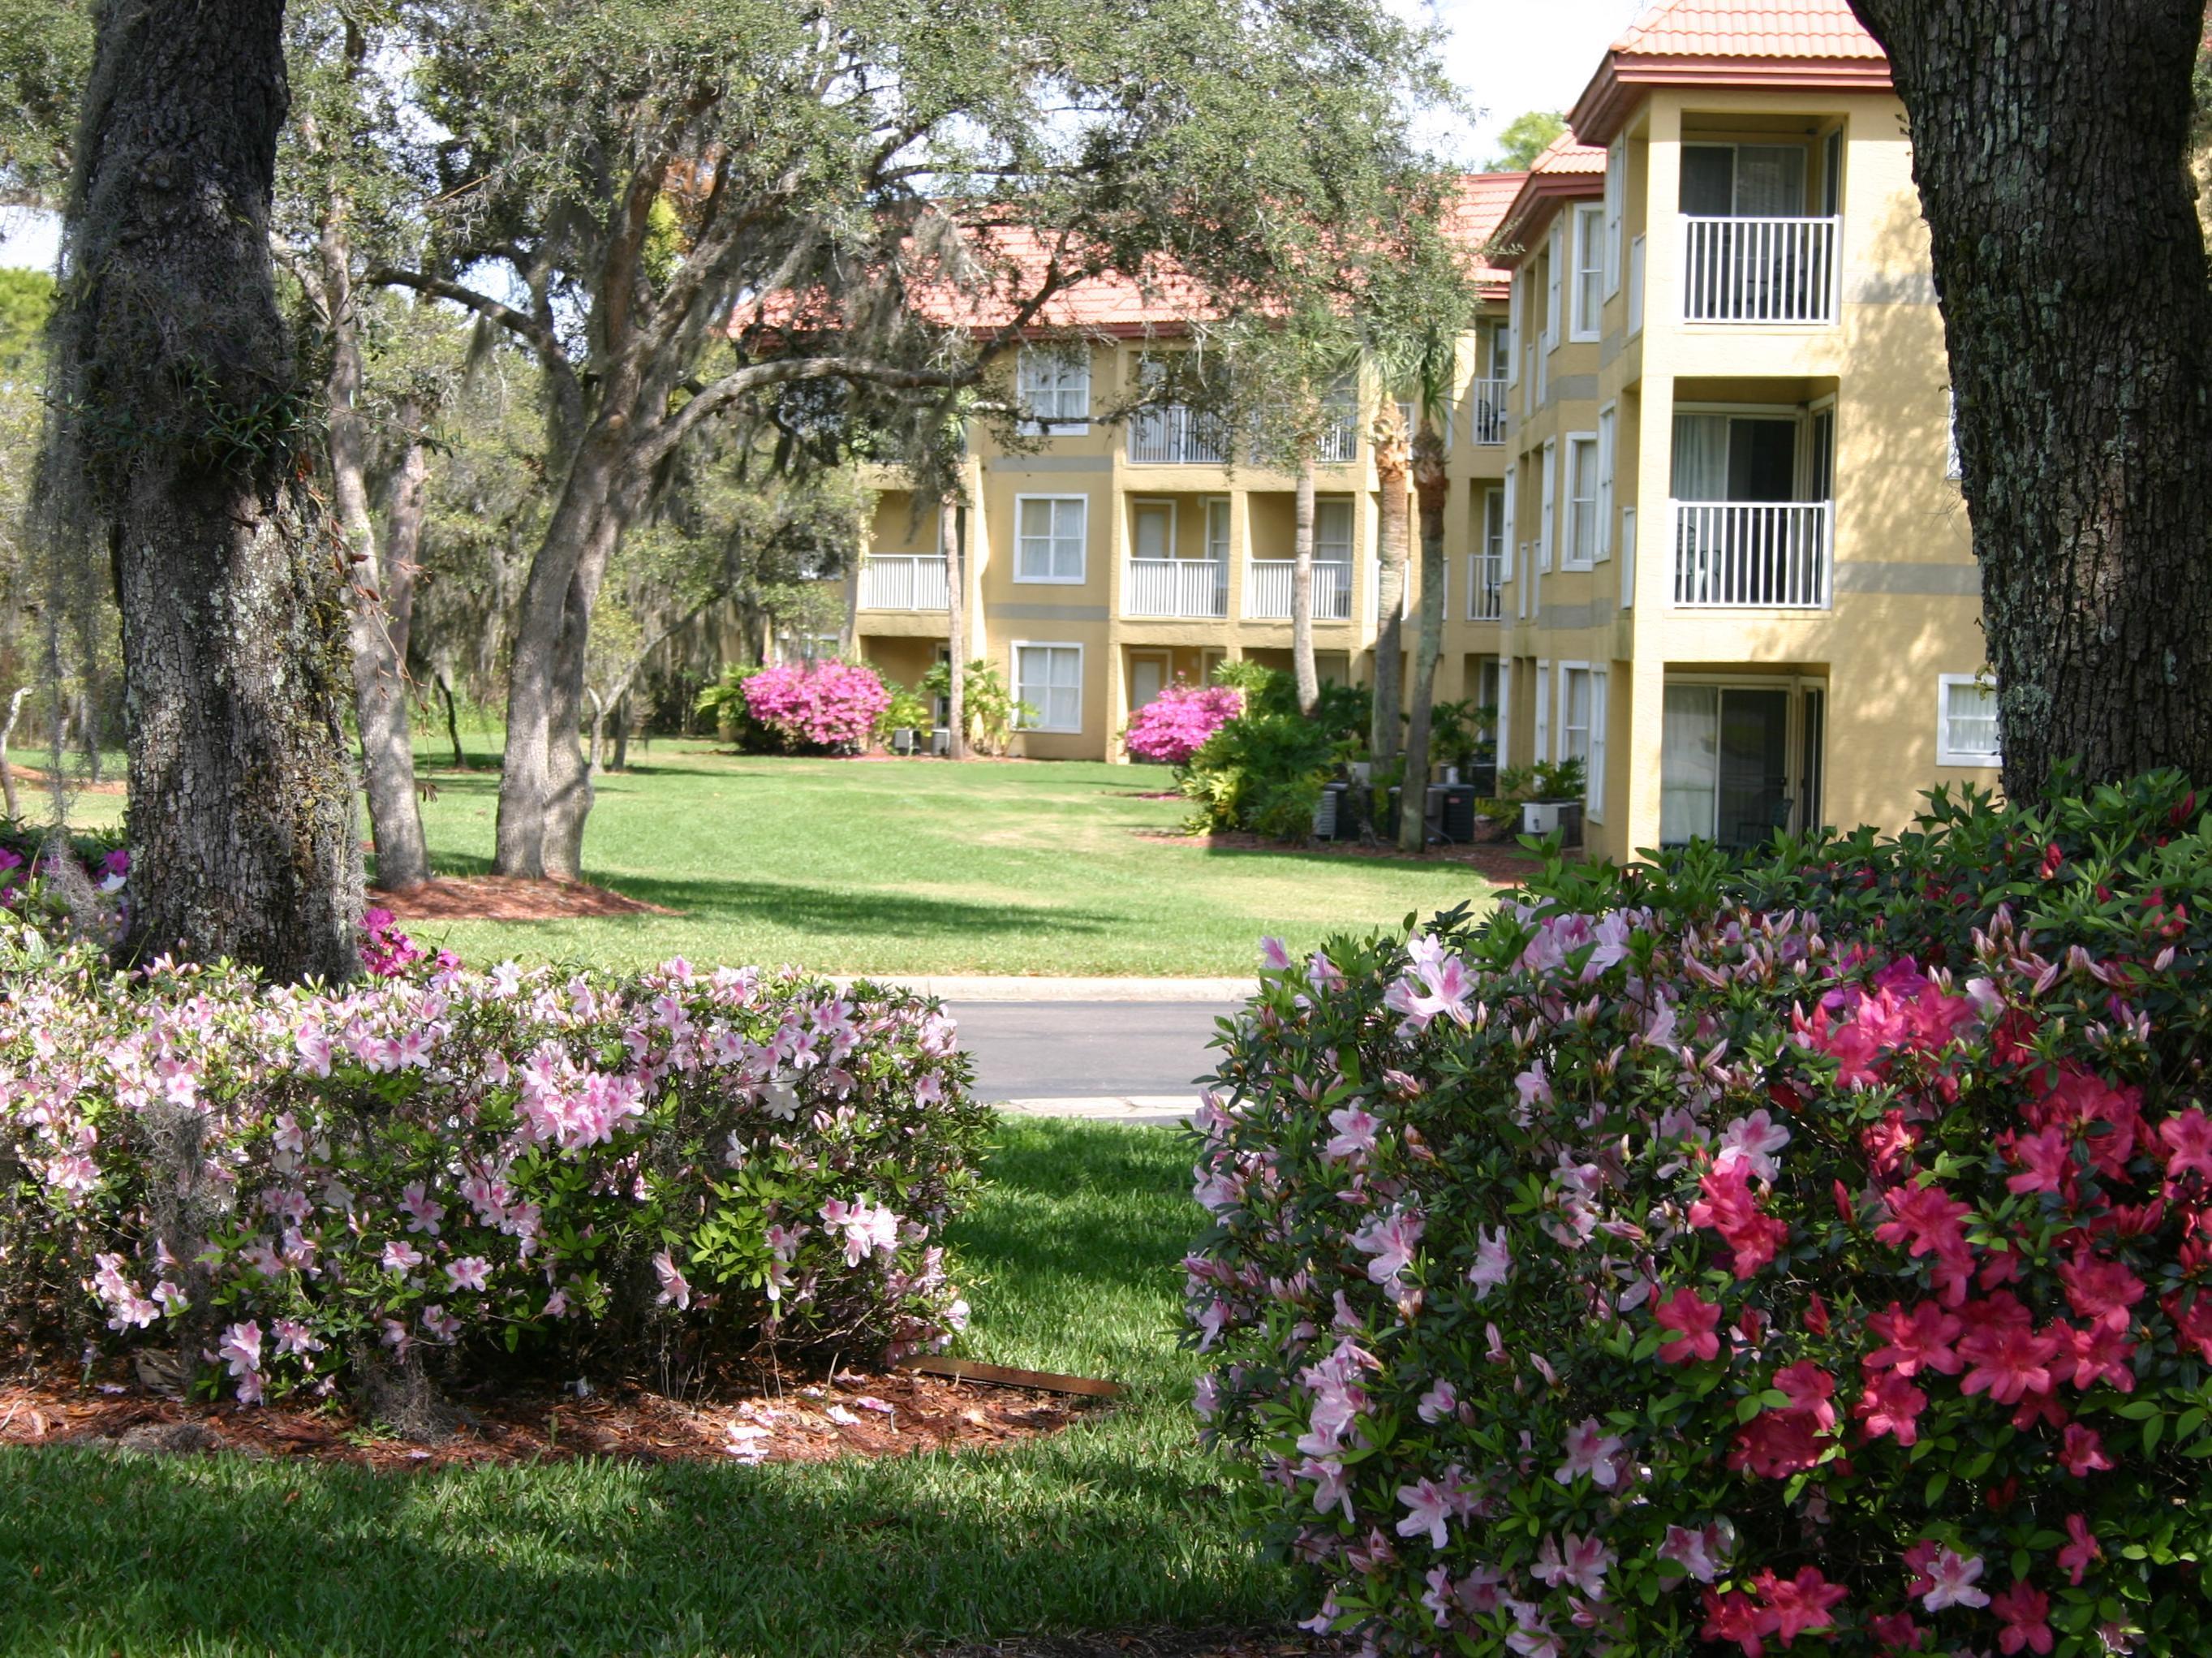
x=1524, y=138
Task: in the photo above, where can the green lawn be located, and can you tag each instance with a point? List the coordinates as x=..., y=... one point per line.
x=1070, y=1260
x=919, y=867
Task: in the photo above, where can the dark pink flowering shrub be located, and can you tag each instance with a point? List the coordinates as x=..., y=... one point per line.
x=1168, y=730
x=1815, y=1252
x=817, y=707
x=458, y=1171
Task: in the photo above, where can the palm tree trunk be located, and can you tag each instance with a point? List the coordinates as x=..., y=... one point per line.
x=1430, y=486
x=1393, y=530
x=1302, y=583
x=956, y=625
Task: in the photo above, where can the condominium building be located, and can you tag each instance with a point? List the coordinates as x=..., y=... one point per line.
x=1704, y=527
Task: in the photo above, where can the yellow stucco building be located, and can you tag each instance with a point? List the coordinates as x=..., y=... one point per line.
x=1703, y=530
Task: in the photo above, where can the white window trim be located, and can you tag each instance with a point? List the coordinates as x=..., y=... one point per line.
x=1554, y=284
x=1608, y=444
x=1512, y=475
x=1594, y=794
x=1616, y=182
x=1588, y=227
x=1568, y=561
x=1227, y=508
x=1138, y=503
x=1515, y=297
x=1076, y=581
x=1548, y=514
x=1057, y=426
x=1945, y=754
x=1014, y=649
x=1636, y=272
x=1544, y=711
x=1504, y=711
x=1627, y=558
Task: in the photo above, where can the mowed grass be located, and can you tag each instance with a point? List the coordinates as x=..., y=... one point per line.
x=1070, y=1261
x=920, y=867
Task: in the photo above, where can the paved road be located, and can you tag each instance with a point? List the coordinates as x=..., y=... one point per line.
x=1037, y=1052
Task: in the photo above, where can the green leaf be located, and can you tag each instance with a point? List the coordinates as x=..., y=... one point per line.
x=1938, y=1483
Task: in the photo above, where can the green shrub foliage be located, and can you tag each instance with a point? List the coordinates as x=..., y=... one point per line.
x=1808, y=1250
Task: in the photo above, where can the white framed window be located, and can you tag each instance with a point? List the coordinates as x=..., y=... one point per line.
x=1504, y=711
x=1627, y=558
x=1506, y=546
x=1590, y=268
x=1550, y=462
x=1579, y=550
x=1332, y=531
x=1050, y=532
x=1966, y=721
x=1616, y=179
x=1152, y=529
x=1593, y=796
x=1516, y=296
x=1544, y=711
x=1555, y=261
x=1049, y=678
x=1607, y=427
x=1217, y=530
x=1053, y=383
x=1635, y=288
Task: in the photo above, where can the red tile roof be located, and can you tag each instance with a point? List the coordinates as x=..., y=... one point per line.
x=1015, y=260
x=1565, y=171
x=1812, y=44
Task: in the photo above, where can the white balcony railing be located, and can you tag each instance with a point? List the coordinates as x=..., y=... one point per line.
x=1340, y=441
x=1485, y=587
x=1268, y=590
x=1175, y=587
x=901, y=581
x=1753, y=555
x=1174, y=435
x=1759, y=270
x=1486, y=409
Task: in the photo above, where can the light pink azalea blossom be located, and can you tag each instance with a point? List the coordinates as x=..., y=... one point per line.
x=1592, y=1451
x=1954, y=1576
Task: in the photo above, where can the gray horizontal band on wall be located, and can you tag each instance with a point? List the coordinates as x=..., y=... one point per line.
x=1889, y=287
x=1050, y=612
x=1870, y=575
x=1567, y=388
x=1015, y=465
x=1572, y=615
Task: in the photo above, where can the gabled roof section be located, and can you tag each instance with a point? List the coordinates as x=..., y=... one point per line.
x=1816, y=44
x=1565, y=171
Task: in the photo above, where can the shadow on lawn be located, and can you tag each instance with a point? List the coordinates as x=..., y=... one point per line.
x=842, y=909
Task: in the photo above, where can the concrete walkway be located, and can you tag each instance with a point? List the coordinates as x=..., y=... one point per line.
x=1107, y=1050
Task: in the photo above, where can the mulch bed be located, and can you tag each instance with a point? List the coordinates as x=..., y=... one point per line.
x=1157, y=1643
x=1501, y=865
x=509, y=898
x=802, y=1423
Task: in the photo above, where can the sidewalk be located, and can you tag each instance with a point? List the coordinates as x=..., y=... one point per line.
x=1145, y=1110
x=1020, y=987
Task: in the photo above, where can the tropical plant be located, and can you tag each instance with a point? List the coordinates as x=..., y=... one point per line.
x=990, y=709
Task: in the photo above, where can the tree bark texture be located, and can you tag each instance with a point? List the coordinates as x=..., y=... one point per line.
x=1393, y=530
x=1302, y=671
x=2049, y=140
x=1430, y=486
x=185, y=437
x=955, y=627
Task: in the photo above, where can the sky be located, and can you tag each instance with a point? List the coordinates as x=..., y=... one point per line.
x=1512, y=55
x=1507, y=55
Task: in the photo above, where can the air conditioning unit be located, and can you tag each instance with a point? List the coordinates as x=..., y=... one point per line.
x=1539, y=816
x=940, y=740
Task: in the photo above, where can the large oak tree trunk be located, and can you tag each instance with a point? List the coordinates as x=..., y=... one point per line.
x=1302, y=671
x=1430, y=484
x=186, y=420
x=2049, y=139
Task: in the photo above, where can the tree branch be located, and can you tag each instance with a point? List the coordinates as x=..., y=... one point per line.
x=719, y=394
x=482, y=304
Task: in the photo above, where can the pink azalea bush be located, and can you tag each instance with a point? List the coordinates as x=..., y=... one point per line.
x=457, y=1171
x=1170, y=728
x=817, y=707
x=1815, y=1253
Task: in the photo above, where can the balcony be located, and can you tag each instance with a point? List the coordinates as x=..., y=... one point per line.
x=1753, y=555
x=1268, y=590
x=1176, y=587
x=1174, y=435
x=1486, y=406
x=902, y=581
x=1760, y=271
x=1485, y=587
